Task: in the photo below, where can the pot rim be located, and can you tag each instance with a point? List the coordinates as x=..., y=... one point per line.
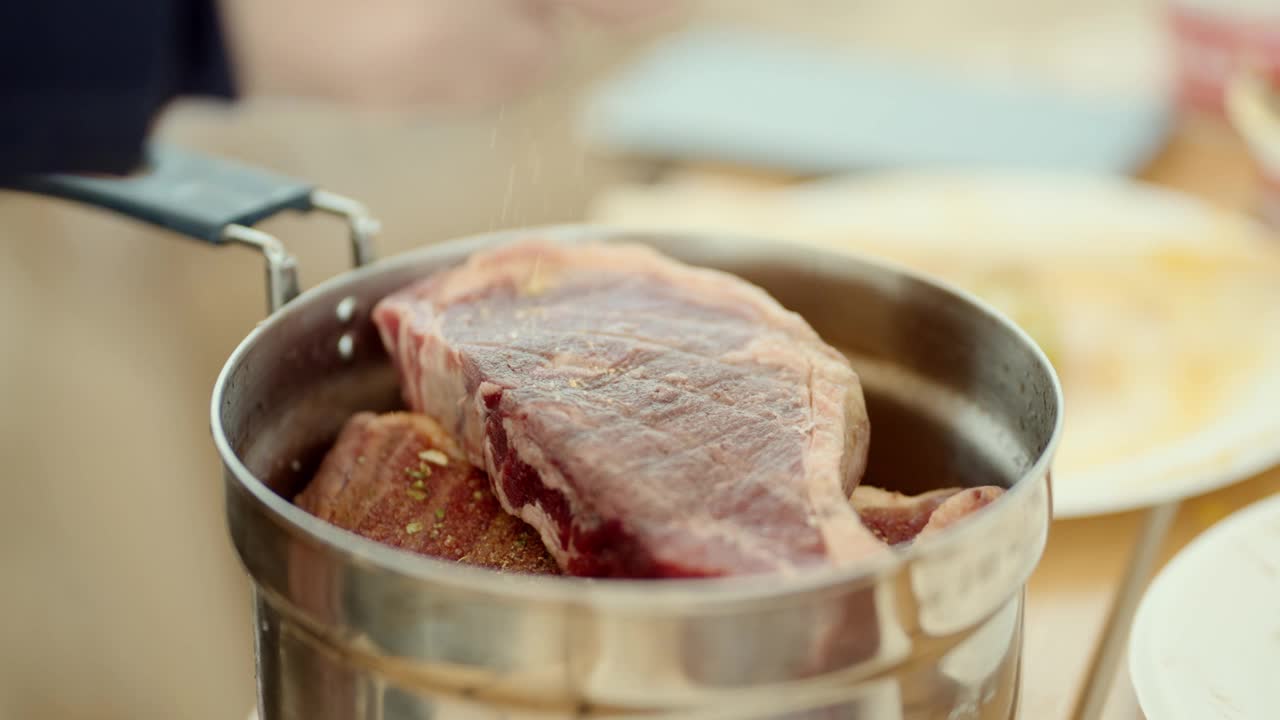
x=683, y=595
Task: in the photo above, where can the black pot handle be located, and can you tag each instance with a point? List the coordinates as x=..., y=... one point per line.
x=214, y=200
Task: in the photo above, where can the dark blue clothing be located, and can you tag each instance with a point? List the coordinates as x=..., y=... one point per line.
x=82, y=80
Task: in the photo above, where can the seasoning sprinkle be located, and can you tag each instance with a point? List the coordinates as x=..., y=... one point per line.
x=418, y=485
x=417, y=494
x=360, y=459
x=573, y=382
x=478, y=495
x=411, y=472
x=413, y=527
x=439, y=513
x=435, y=457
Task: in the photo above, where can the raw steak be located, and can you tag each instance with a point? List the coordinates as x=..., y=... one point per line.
x=399, y=480
x=649, y=419
x=896, y=518
x=382, y=480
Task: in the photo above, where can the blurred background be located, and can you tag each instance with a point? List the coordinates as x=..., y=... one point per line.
x=122, y=597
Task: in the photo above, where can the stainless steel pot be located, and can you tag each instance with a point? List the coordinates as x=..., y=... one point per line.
x=347, y=628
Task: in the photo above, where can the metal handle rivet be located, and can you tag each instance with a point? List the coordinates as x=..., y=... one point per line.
x=346, y=309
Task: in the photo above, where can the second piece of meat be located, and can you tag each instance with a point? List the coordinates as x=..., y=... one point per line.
x=399, y=480
x=896, y=518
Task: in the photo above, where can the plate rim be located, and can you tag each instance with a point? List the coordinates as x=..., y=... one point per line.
x=1141, y=668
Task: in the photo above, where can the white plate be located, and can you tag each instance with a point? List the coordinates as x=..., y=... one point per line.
x=1206, y=639
x=1161, y=313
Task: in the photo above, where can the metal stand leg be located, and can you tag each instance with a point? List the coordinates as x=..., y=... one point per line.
x=1115, y=633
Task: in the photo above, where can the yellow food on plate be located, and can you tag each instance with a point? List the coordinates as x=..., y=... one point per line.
x=1149, y=352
